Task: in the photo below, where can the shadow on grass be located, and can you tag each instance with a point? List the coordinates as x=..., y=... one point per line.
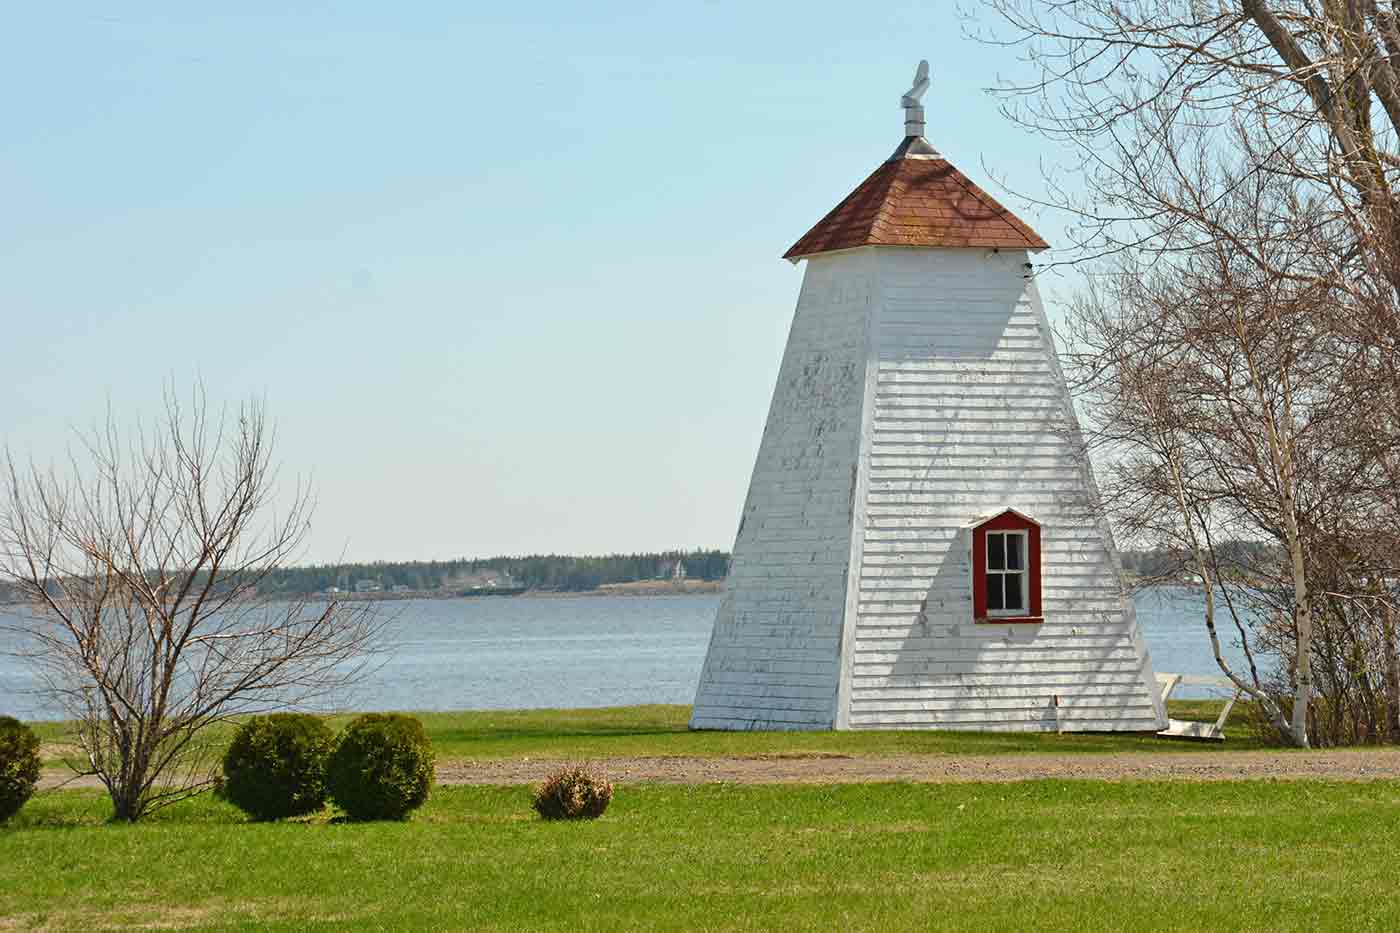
x=75, y=808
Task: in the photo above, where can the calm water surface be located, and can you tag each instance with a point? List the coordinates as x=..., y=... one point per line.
x=524, y=653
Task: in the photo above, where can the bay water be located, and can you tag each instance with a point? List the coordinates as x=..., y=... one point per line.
x=534, y=652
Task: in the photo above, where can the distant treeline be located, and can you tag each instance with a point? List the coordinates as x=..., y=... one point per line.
x=555, y=572
x=564, y=573
x=1238, y=556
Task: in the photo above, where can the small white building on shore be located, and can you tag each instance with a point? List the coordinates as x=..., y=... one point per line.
x=921, y=545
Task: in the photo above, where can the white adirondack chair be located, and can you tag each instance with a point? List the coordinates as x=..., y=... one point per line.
x=1184, y=729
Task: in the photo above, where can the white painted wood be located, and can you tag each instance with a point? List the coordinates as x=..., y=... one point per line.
x=1186, y=729
x=780, y=625
x=919, y=393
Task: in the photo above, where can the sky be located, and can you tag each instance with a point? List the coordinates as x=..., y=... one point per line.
x=508, y=279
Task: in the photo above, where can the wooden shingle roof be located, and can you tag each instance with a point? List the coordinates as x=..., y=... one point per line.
x=917, y=200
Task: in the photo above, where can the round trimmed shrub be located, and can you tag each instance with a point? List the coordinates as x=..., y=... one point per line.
x=276, y=766
x=382, y=767
x=575, y=793
x=19, y=765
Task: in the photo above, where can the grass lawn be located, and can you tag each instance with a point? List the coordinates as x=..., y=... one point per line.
x=660, y=731
x=1043, y=854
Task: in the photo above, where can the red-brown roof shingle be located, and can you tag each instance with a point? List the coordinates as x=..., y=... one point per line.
x=917, y=201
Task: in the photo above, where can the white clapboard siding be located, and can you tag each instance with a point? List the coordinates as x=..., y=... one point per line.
x=919, y=391
x=971, y=416
x=775, y=656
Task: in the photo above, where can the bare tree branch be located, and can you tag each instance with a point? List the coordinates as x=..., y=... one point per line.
x=142, y=566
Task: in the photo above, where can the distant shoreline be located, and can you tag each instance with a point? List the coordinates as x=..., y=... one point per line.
x=637, y=588
x=640, y=588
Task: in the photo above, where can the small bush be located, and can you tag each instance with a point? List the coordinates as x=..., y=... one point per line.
x=19, y=765
x=382, y=767
x=276, y=766
x=576, y=793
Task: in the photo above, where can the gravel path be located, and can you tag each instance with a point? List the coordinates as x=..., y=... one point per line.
x=1369, y=764
x=1352, y=765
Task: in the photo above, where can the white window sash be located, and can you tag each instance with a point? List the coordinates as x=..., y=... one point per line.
x=1023, y=573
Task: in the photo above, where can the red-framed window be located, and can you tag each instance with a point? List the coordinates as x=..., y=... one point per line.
x=1006, y=569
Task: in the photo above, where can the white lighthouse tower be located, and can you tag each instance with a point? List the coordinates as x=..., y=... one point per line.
x=920, y=546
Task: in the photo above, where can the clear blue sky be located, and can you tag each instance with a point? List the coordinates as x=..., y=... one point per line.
x=509, y=281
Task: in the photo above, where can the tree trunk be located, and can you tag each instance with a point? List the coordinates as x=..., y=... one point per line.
x=1392, y=674
x=127, y=806
x=1302, y=619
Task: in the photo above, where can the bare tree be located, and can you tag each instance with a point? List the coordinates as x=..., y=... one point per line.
x=1296, y=88
x=1239, y=224
x=142, y=564
x=1224, y=406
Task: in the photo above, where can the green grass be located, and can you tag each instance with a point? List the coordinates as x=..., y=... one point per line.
x=660, y=731
x=1043, y=854
x=636, y=731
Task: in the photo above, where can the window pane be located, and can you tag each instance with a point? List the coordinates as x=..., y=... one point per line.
x=994, y=591
x=1015, y=560
x=1013, y=591
x=996, y=550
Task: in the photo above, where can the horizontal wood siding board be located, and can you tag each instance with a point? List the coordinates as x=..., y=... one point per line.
x=770, y=704
x=1037, y=688
x=914, y=664
x=764, y=712
x=783, y=690
x=893, y=536
x=1132, y=718
x=921, y=682
x=1028, y=724
x=735, y=679
x=772, y=671
x=959, y=652
x=869, y=646
x=969, y=706
x=1100, y=624
x=743, y=718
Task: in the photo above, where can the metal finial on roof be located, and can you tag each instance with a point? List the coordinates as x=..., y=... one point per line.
x=913, y=109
